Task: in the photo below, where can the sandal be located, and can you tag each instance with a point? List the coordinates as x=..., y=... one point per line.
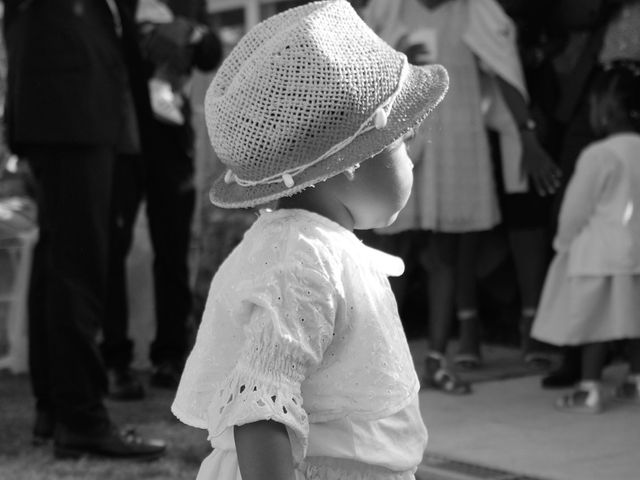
x=581, y=400
x=628, y=391
x=440, y=377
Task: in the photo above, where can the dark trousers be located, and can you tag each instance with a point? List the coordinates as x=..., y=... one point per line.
x=164, y=177
x=68, y=283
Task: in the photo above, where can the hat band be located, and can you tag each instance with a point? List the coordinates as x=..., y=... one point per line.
x=377, y=120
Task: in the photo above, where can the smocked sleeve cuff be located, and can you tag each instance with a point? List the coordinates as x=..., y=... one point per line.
x=250, y=395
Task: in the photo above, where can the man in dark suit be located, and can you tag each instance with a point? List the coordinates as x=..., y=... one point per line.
x=70, y=111
x=164, y=178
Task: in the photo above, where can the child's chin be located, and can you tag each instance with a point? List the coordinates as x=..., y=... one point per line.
x=384, y=222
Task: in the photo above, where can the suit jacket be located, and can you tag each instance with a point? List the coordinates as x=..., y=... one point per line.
x=68, y=70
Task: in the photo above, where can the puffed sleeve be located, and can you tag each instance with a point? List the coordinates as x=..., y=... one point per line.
x=289, y=328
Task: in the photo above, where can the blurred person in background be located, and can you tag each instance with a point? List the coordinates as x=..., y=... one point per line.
x=174, y=39
x=455, y=196
x=592, y=292
x=73, y=105
x=565, y=42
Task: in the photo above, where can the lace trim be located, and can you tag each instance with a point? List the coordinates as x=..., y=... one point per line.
x=246, y=398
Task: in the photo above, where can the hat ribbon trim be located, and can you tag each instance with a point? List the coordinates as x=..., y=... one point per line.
x=377, y=120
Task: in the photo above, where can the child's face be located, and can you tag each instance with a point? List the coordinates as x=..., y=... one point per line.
x=379, y=189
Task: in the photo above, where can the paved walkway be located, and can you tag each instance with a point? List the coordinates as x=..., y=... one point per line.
x=511, y=427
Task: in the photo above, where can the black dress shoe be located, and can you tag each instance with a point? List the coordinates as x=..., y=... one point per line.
x=124, y=384
x=166, y=375
x=43, y=428
x=110, y=443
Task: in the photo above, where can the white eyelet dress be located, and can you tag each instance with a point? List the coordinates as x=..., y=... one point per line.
x=301, y=327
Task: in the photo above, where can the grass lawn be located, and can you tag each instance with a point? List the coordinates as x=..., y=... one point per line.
x=19, y=460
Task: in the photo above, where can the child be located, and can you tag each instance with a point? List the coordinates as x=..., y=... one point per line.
x=301, y=368
x=592, y=292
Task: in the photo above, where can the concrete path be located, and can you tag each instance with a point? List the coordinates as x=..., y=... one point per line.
x=512, y=426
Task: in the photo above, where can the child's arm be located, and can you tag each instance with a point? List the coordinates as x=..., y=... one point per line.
x=264, y=451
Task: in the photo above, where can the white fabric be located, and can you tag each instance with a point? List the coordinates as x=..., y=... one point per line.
x=153, y=11
x=301, y=327
x=622, y=39
x=454, y=188
x=599, y=223
x=491, y=35
x=579, y=309
x=345, y=449
x=592, y=290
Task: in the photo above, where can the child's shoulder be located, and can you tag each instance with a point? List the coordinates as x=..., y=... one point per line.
x=606, y=148
x=608, y=156
x=289, y=237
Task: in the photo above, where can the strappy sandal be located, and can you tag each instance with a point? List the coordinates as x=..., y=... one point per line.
x=440, y=377
x=580, y=401
x=628, y=391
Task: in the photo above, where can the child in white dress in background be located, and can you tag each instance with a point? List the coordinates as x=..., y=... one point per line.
x=301, y=369
x=592, y=292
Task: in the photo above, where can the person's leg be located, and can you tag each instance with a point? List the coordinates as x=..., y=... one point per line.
x=441, y=262
x=629, y=389
x=469, y=355
x=38, y=338
x=75, y=186
x=170, y=208
x=529, y=247
x=568, y=372
x=117, y=348
x=633, y=347
x=587, y=397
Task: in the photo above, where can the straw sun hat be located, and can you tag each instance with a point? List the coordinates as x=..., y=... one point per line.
x=306, y=95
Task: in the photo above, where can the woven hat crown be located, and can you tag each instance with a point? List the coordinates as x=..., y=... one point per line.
x=295, y=86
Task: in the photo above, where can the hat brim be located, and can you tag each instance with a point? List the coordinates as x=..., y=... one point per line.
x=424, y=88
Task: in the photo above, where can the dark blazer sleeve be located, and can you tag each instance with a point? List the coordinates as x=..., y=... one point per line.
x=207, y=52
x=66, y=73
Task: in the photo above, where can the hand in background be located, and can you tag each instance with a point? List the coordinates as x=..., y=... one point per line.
x=538, y=166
